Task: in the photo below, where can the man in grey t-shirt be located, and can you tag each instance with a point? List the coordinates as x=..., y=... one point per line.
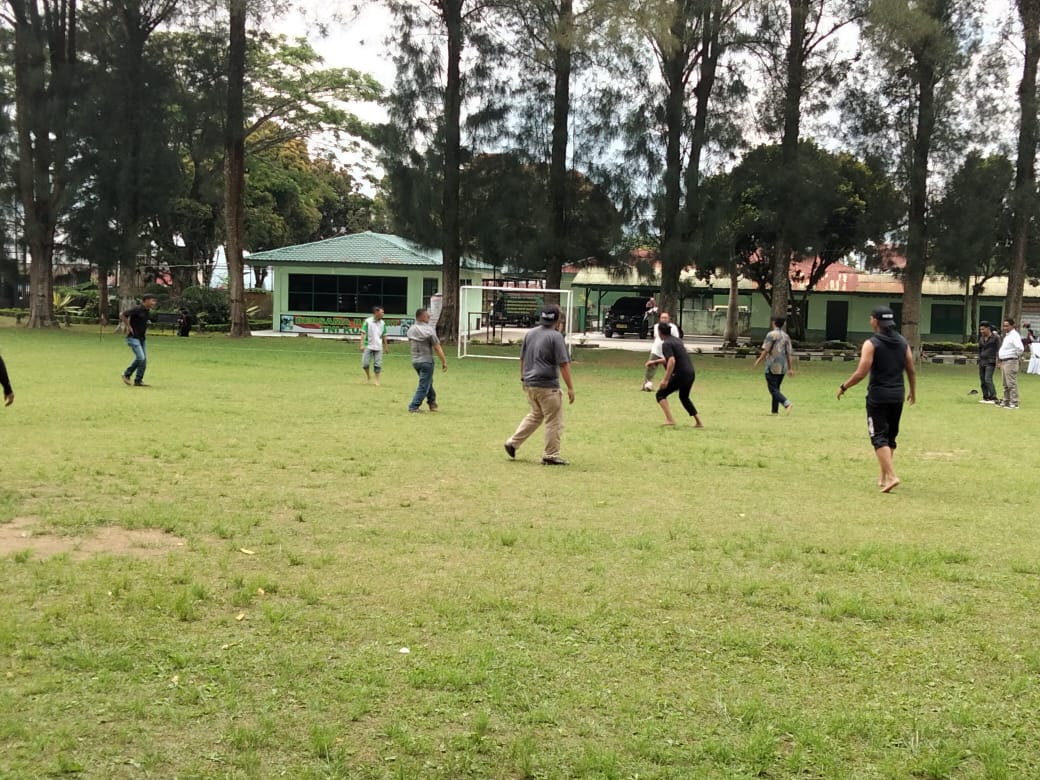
x=543, y=360
x=422, y=338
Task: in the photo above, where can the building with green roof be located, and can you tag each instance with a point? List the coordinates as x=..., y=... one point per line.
x=331, y=286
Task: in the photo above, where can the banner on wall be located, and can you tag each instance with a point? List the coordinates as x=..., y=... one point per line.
x=341, y=325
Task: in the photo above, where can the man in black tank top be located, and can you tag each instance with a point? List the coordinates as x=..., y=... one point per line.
x=885, y=356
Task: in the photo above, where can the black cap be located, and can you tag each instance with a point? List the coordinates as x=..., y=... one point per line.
x=550, y=313
x=883, y=315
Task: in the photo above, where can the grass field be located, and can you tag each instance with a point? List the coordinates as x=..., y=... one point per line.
x=732, y=602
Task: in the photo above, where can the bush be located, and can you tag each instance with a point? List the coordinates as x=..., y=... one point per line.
x=206, y=304
x=947, y=346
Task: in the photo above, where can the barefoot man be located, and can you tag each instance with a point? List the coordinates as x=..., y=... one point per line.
x=885, y=356
x=678, y=375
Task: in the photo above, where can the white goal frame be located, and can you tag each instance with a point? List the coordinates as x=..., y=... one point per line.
x=475, y=319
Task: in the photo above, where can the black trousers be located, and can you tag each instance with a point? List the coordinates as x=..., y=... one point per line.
x=682, y=384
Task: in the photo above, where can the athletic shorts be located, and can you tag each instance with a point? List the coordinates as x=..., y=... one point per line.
x=883, y=422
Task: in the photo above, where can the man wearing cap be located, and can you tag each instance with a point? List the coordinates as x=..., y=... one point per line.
x=1011, y=349
x=989, y=343
x=885, y=356
x=543, y=360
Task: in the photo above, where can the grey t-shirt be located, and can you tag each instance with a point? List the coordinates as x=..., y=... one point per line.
x=542, y=352
x=421, y=338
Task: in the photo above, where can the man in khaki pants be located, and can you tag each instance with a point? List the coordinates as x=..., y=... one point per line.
x=543, y=359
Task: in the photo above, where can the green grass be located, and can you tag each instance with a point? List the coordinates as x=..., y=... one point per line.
x=732, y=602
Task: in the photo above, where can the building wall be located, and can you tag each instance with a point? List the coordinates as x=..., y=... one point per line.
x=421, y=282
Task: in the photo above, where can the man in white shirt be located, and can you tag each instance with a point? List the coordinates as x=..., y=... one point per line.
x=373, y=342
x=656, y=354
x=1011, y=349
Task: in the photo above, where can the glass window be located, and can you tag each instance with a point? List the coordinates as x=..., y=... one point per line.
x=947, y=318
x=429, y=287
x=347, y=294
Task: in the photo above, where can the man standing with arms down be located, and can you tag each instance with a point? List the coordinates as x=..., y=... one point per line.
x=135, y=321
x=885, y=356
x=543, y=359
x=776, y=351
x=422, y=337
x=1011, y=349
x=373, y=342
x=989, y=345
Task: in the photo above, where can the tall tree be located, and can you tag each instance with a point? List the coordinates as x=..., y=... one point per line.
x=973, y=226
x=808, y=62
x=1025, y=168
x=124, y=169
x=235, y=167
x=912, y=105
x=428, y=109
x=45, y=84
x=845, y=205
x=689, y=39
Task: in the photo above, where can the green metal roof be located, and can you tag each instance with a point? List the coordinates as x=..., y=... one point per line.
x=359, y=249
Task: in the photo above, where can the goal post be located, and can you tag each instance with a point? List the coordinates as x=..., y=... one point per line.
x=490, y=317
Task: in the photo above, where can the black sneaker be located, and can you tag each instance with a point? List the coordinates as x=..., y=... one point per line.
x=141, y=384
x=556, y=460
x=126, y=380
x=510, y=450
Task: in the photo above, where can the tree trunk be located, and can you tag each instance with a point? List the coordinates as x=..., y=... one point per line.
x=558, y=160
x=917, y=233
x=448, y=322
x=732, y=332
x=673, y=253
x=235, y=168
x=1024, y=197
x=709, y=61
x=969, y=309
x=44, y=58
x=793, y=89
x=102, y=294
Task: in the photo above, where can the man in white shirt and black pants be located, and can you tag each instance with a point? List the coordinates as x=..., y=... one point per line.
x=1011, y=348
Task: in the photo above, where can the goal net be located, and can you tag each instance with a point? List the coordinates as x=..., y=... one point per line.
x=493, y=319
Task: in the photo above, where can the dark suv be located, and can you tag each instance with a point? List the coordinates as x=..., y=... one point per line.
x=627, y=315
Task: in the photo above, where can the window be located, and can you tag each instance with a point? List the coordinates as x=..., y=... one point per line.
x=347, y=294
x=994, y=315
x=429, y=287
x=948, y=318
x=897, y=311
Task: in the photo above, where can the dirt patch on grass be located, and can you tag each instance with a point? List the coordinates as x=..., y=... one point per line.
x=21, y=534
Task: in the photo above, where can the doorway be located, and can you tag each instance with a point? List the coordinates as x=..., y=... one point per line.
x=837, y=321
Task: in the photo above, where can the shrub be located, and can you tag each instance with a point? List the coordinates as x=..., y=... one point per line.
x=206, y=304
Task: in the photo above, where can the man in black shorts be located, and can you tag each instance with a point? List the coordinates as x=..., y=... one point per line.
x=678, y=375
x=885, y=356
x=5, y=383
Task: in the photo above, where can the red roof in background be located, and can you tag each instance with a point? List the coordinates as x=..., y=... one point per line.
x=890, y=259
x=839, y=277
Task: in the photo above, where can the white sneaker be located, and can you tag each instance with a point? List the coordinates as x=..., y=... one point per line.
x=648, y=386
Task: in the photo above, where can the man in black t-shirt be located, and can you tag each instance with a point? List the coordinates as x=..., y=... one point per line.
x=135, y=322
x=678, y=375
x=885, y=356
x=5, y=383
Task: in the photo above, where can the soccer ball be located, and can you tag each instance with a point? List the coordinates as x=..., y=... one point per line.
x=648, y=386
